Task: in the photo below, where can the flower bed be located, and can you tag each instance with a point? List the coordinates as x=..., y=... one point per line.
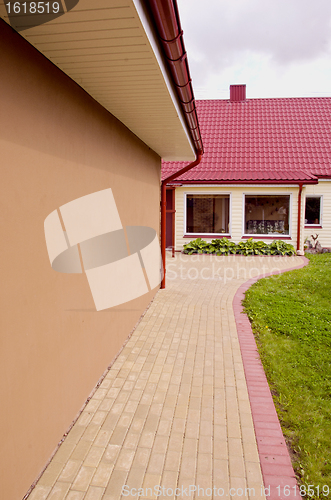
x=224, y=246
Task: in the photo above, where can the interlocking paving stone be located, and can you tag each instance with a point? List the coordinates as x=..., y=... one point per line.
x=174, y=410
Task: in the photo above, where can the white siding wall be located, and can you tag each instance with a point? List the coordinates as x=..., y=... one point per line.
x=323, y=188
x=236, y=209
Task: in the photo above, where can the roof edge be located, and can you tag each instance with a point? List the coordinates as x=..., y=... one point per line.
x=250, y=182
x=168, y=29
x=323, y=177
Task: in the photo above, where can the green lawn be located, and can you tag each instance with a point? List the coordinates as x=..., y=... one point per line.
x=291, y=319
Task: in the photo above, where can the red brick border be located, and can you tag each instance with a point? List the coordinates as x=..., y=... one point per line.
x=278, y=475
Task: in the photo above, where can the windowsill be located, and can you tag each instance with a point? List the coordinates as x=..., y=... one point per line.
x=266, y=237
x=213, y=236
x=313, y=226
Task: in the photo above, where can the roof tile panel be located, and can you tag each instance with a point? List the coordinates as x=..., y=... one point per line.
x=262, y=139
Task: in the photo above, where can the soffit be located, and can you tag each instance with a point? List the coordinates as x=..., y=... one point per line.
x=109, y=49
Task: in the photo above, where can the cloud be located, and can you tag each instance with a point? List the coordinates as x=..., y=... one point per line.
x=221, y=33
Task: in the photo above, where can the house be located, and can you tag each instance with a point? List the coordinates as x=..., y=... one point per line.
x=265, y=174
x=89, y=106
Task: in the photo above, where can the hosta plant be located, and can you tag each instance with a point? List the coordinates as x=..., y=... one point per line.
x=197, y=246
x=224, y=246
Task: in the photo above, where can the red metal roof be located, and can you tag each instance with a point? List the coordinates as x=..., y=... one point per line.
x=262, y=140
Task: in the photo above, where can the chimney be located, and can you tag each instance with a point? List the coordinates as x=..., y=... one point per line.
x=237, y=93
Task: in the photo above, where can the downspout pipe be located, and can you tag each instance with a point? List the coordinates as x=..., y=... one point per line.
x=299, y=217
x=165, y=15
x=164, y=207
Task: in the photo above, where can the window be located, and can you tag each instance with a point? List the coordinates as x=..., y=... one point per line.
x=267, y=214
x=313, y=210
x=207, y=213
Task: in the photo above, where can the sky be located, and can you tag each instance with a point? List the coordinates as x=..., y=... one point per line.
x=278, y=48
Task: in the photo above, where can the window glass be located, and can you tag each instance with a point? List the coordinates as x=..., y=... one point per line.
x=206, y=213
x=267, y=214
x=313, y=210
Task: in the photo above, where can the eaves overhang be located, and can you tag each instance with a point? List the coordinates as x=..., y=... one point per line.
x=243, y=182
x=110, y=48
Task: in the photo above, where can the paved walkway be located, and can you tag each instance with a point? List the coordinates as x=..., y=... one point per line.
x=173, y=411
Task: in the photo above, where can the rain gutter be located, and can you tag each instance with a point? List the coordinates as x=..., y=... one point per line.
x=169, y=31
x=243, y=181
x=299, y=216
x=166, y=18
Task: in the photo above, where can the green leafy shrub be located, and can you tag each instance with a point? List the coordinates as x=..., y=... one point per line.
x=197, y=246
x=279, y=247
x=224, y=246
x=253, y=247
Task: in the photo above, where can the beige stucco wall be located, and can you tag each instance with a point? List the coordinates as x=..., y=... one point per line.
x=57, y=144
x=323, y=189
x=236, y=209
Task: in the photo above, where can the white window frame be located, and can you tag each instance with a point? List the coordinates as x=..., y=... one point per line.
x=261, y=236
x=211, y=193
x=320, y=196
